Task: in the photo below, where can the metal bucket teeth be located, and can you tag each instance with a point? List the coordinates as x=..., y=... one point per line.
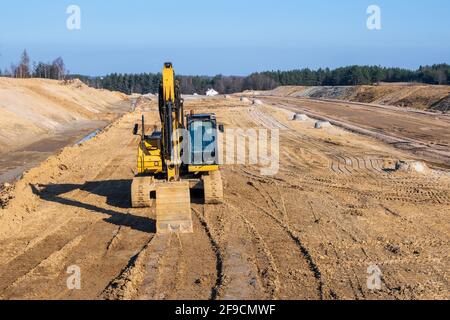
x=173, y=208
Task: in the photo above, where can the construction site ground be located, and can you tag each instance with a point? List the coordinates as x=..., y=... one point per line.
x=312, y=231
x=421, y=133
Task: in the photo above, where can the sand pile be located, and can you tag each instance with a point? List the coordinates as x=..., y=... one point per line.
x=300, y=117
x=402, y=95
x=322, y=124
x=419, y=96
x=30, y=108
x=442, y=105
x=413, y=166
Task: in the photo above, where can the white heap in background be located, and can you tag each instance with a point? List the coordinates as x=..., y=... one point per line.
x=211, y=93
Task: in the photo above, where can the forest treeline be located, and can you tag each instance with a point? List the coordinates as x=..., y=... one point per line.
x=353, y=75
x=148, y=82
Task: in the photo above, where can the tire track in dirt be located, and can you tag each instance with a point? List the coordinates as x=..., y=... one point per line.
x=219, y=256
x=384, y=187
x=269, y=274
x=24, y=263
x=97, y=241
x=295, y=237
x=339, y=255
x=162, y=267
x=381, y=261
x=338, y=161
x=275, y=223
x=186, y=266
x=172, y=269
x=353, y=281
x=247, y=266
x=57, y=240
x=57, y=257
x=51, y=193
x=126, y=284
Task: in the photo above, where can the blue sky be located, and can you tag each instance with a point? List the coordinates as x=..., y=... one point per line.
x=227, y=37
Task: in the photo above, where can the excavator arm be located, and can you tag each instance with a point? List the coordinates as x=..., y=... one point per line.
x=171, y=113
x=173, y=201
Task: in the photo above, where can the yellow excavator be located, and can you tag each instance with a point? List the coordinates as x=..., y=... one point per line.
x=182, y=156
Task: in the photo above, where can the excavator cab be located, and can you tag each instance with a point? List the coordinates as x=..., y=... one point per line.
x=202, y=130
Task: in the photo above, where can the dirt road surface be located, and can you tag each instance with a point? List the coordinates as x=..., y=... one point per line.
x=421, y=133
x=312, y=231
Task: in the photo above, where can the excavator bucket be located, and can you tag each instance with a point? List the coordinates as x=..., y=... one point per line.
x=141, y=189
x=173, y=208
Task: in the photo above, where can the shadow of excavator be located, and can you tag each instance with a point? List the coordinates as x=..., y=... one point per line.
x=116, y=192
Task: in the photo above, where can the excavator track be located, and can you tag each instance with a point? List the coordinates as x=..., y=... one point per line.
x=173, y=208
x=141, y=189
x=213, y=188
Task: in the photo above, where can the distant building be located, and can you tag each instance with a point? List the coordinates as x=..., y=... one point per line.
x=211, y=93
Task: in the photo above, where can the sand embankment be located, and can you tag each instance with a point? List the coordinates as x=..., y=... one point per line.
x=418, y=96
x=39, y=116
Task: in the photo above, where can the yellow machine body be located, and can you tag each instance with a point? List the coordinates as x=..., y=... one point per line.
x=203, y=168
x=149, y=159
x=168, y=92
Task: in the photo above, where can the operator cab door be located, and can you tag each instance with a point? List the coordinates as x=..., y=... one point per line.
x=203, y=146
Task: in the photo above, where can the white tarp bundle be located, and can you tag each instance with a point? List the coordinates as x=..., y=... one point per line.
x=211, y=93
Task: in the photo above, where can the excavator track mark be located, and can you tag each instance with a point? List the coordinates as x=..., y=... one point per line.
x=213, y=188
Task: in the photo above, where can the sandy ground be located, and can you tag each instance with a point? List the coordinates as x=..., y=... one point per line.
x=31, y=108
x=309, y=232
x=404, y=95
x=39, y=116
x=422, y=134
